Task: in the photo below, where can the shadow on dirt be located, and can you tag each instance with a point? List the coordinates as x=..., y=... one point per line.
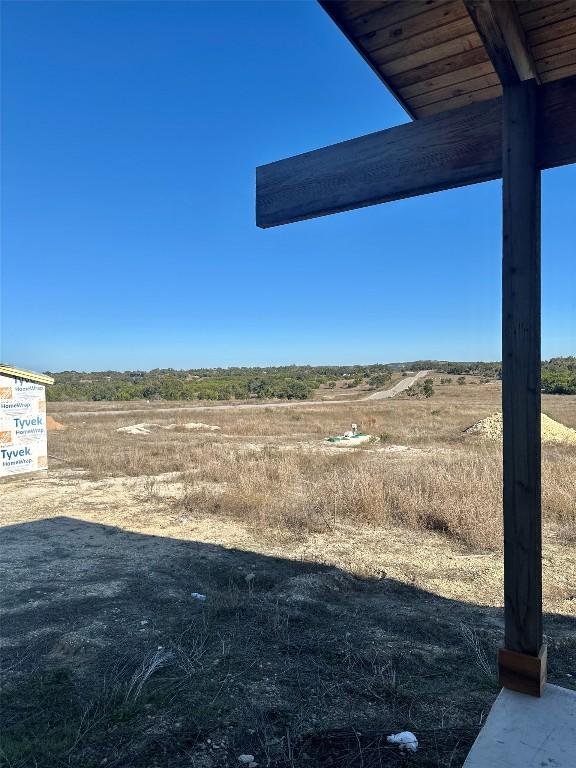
x=112, y=657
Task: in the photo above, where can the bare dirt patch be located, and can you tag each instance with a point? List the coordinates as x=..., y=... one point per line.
x=52, y=424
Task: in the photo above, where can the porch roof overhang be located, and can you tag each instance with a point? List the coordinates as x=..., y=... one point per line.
x=429, y=54
x=436, y=55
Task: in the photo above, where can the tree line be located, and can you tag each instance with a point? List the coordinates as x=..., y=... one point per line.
x=558, y=373
x=293, y=382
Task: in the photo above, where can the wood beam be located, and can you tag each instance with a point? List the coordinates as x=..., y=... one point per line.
x=499, y=26
x=452, y=149
x=521, y=393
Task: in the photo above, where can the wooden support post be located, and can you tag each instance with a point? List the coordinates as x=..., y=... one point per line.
x=522, y=662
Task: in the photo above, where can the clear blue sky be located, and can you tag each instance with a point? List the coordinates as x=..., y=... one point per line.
x=131, y=131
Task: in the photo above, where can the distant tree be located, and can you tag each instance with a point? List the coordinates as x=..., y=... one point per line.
x=379, y=380
x=427, y=387
x=421, y=389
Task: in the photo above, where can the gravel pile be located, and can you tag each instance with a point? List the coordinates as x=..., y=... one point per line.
x=552, y=431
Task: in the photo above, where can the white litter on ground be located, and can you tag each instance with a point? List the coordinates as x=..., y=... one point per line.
x=405, y=740
x=246, y=759
x=198, y=596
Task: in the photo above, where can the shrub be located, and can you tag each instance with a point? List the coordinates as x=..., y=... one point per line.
x=427, y=388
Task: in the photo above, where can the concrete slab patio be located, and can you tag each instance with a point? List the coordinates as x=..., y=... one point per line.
x=528, y=732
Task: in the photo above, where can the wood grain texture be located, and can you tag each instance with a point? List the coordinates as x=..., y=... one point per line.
x=500, y=28
x=389, y=15
x=451, y=48
x=468, y=96
x=409, y=43
x=451, y=149
x=449, y=78
x=528, y=6
x=534, y=17
x=443, y=66
x=551, y=32
x=559, y=58
x=421, y=30
x=554, y=48
x=425, y=156
x=351, y=9
x=558, y=74
x=422, y=45
x=521, y=371
x=451, y=92
x=523, y=673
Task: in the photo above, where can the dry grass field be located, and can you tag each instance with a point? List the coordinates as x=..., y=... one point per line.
x=349, y=593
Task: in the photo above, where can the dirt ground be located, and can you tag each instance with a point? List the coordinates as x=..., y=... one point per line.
x=139, y=633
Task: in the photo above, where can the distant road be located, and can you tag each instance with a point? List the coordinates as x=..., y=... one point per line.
x=400, y=386
x=383, y=394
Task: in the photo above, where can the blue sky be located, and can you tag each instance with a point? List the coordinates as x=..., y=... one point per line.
x=131, y=131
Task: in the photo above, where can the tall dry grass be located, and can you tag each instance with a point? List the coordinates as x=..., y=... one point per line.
x=457, y=493
x=266, y=468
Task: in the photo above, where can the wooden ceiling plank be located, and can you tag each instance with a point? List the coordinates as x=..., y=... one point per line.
x=390, y=14
x=459, y=45
x=424, y=22
x=443, y=66
x=561, y=59
x=442, y=54
x=533, y=19
x=428, y=38
x=528, y=6
x=351, y=9
x=454, y=91
x=450, y=78
x=500, y=28
x=558, y=74
x=554, y=47
x=551, y=32
x=457, y=102
x=451, y=149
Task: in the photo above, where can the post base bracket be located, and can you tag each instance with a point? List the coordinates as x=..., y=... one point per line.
x=521, y=672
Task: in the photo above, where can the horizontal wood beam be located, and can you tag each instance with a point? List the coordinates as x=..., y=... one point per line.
x=499, y=26
x=452, y=149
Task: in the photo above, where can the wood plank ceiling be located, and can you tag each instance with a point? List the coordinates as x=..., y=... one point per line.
x=431, y=57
